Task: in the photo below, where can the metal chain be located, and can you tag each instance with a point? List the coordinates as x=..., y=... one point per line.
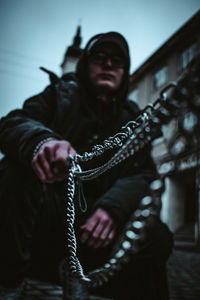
x=132, y=239
x=74, y=264
x=136, y=134
x=151, y=116
x=112, y=142
x=132, y=137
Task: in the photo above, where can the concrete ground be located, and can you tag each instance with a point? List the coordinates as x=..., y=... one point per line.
x=184, y=274
x=183, y=277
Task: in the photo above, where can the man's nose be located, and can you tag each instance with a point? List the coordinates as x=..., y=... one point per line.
x=108, y=62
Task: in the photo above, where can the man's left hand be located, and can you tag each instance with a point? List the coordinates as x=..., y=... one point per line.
x=99, y=230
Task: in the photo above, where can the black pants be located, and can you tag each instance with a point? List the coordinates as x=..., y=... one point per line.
x=33, y=242
x=31, y=225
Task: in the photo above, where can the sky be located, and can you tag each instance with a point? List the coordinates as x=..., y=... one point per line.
x=37, y=33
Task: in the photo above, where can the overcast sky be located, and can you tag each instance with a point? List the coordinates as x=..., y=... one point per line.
x=37, y=32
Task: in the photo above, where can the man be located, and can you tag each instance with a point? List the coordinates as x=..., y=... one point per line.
x=69, y=117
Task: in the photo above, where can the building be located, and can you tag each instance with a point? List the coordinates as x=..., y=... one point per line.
x=167, y=63
x=181, y=200
x=72, y=54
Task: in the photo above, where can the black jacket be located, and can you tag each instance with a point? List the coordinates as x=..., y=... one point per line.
x=59, y=112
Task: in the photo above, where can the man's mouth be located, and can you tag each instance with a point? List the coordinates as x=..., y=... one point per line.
x=106, y=76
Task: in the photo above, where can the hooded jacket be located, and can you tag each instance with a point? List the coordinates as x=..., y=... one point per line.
x=67, y=110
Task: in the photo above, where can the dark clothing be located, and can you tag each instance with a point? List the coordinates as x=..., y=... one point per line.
x=32, y=214
x=57, y=112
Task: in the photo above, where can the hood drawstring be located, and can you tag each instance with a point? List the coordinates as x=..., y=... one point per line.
x=81, y=197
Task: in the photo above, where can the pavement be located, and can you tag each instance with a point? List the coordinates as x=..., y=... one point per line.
x=184, y=274
x=183, y=270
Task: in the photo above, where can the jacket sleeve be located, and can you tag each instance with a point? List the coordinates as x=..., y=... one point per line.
x=123, y=197
x=22, y=129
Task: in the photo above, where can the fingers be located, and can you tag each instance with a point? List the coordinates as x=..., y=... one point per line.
x=102, y=236
x=87, y=229
x=106, y=237
x=99, y=230
x=41, y=164
x=109, y=238
x=60, y=164
x=72, y=151
x=50, y=163
x=39, y=171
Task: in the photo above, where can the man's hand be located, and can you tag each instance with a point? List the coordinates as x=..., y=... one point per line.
x=99, y=230
x=50, y=162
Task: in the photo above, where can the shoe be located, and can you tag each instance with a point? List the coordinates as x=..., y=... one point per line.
x=8, y=293
x=11, y=293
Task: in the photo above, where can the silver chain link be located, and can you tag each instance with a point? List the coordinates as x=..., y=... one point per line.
x=133, y=137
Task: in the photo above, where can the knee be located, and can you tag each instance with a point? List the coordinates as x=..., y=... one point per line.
x=161, y=239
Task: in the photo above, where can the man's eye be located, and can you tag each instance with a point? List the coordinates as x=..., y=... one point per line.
x=99, y=56
x=117, y=59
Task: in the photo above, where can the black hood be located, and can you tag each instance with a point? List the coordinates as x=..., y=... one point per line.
x=81, y=72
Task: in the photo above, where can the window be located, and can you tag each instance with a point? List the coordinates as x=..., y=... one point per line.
x=160, y=78
x=134, y=95
x=187, y=55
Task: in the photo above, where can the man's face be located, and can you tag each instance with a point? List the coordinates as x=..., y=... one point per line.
x=106, y=68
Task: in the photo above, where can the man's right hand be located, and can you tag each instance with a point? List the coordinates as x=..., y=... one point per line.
x=50, y=162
